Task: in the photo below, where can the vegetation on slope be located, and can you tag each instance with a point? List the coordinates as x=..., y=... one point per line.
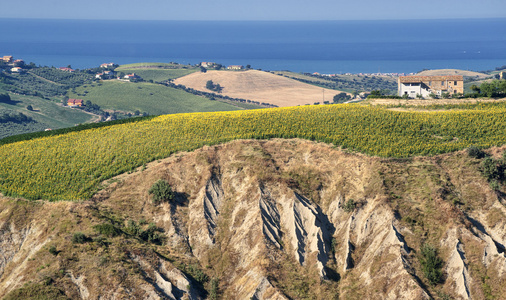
x=348, y=83
x=145, y=97
x=157, y=71
x=44, y=113
x=71, y=166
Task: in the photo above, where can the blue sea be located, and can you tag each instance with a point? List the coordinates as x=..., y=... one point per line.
x=300, y=46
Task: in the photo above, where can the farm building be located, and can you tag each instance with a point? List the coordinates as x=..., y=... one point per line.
x=75, y=102
x=426, y=85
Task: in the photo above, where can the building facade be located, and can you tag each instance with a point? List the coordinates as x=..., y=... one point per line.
x=412, y=86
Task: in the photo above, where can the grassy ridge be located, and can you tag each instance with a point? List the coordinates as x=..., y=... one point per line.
x=159, y=74
x=71, y=166
x=147, y=97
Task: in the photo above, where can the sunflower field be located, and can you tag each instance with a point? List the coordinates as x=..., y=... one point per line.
x=71, y=166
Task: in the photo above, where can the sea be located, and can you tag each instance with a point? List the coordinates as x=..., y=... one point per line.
x=327, y=47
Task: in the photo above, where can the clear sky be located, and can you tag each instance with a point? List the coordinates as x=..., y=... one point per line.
x=252, y=9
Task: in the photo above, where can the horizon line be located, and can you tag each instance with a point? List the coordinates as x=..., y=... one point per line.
x=253, y=20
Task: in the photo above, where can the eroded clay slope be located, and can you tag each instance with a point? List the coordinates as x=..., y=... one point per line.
x=279, y=219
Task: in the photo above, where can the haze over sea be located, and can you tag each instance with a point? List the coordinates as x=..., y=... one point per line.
x=300, y=46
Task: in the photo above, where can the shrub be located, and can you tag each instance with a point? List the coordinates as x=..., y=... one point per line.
x=475, y=152
x=161, y=191
x=79, y=238
x=491, y=169
x=107, y=229
x=53, y=250
x=152, y=235
x=350, y=206
x=431, y=264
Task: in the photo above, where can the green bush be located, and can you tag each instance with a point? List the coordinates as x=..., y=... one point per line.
x=431, y=264
x=475, y=152
x=350, y=206
x=107, y=230
x=151, y=235
x=53, y=250
x=161, y=191
x=491, y=169
x=79, y=238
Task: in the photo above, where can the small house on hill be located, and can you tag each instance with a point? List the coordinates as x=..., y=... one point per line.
x=17, y=70
x=18, y=63
x=426, y=85
x=235, y=67
x=75, y=102
x=107, y=65
x=132, y=77
x=7, y=58
x=207, y=64
x=105, y=75
x=67, y=69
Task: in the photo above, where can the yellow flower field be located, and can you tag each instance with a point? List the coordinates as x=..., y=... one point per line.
x=71, y=166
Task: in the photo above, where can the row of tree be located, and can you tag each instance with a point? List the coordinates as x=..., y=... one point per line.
x=494, y=89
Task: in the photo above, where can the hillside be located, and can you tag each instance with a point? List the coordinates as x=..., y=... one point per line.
x=157, y=71
x=260, y=86
x=71, y=166
x=155, y=99
x=347, y=83
x=45, y=114
x=278, y=219
x=442, y=72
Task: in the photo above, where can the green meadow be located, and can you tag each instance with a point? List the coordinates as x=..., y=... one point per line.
x=147, y=97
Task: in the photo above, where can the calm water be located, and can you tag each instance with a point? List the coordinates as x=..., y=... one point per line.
x=319, y=46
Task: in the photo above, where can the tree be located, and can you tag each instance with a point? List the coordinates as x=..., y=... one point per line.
x=376, y=93
x=341, y=97
x=203, y=70
x=29, y=107
x=161, y=192
x=5, y=98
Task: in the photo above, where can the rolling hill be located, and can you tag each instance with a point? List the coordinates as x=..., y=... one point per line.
x=147, y=97
x=45, y=113
x=443, y=72
x=157, y=71
x=260, y=86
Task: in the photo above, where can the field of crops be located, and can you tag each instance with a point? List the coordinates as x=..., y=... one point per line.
x=71, y=166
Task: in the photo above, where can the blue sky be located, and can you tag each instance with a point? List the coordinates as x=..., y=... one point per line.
x=253, y=9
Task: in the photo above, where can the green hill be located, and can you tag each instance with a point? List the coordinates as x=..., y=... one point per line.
x=45, y=114
x=147, y=97
x=157, y=71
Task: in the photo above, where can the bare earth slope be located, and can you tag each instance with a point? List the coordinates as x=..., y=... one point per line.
x=259, y=86
x=266, y=220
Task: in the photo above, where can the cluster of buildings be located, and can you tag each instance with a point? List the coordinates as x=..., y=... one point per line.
x=16, y=64
x=207, y=65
